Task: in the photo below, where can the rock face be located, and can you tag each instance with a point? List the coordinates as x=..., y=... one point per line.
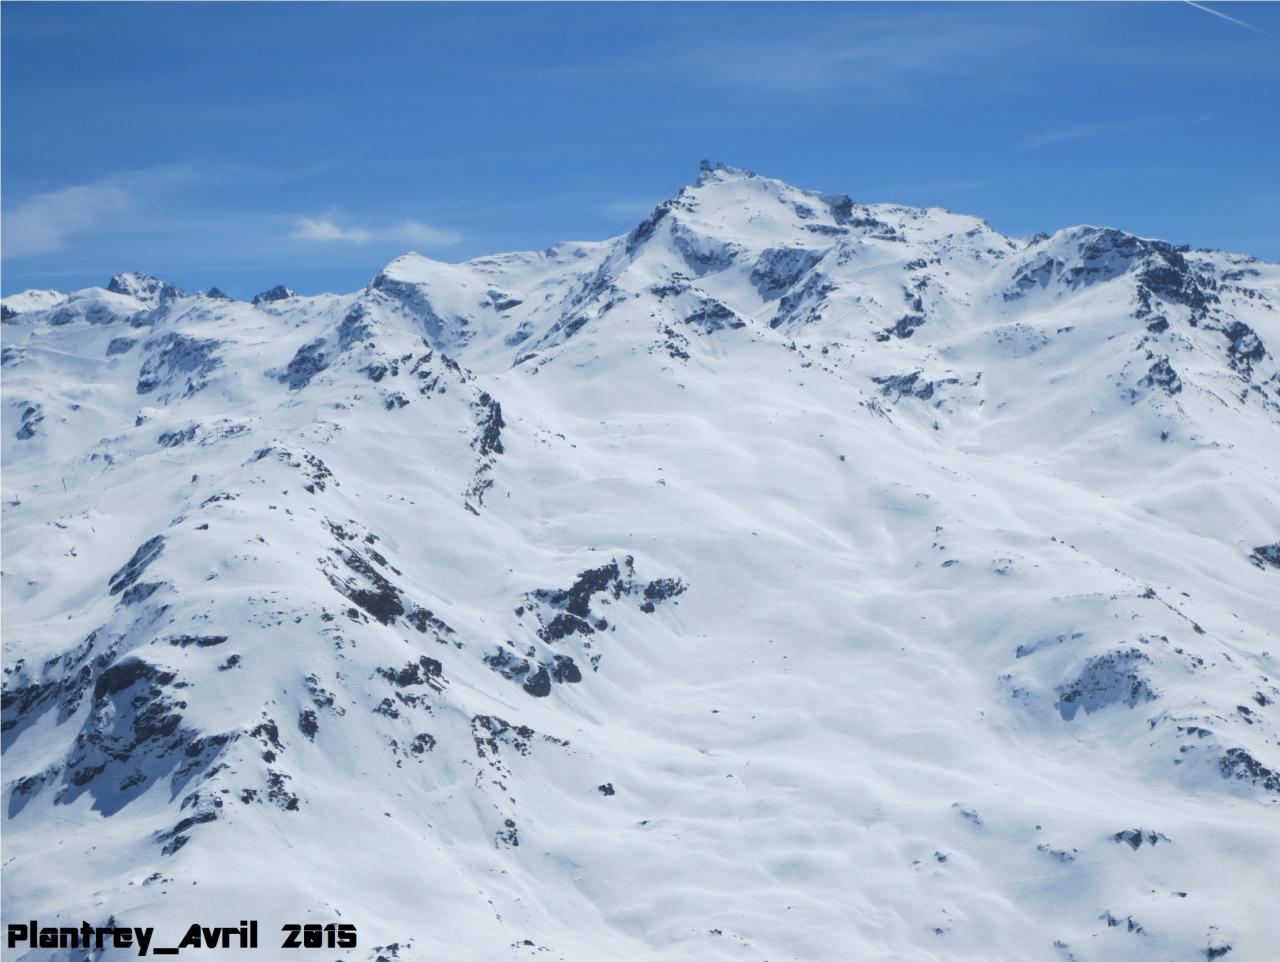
x=787, y=578
x=143, y=287
x=273, y=294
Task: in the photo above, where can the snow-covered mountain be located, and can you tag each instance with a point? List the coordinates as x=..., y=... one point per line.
x=790, y=578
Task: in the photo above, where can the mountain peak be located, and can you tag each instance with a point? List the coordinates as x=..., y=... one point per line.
x=143, y=287
x=719, y=170
x=271, y=294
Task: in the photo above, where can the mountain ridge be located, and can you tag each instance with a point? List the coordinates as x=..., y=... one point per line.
x=910, y=590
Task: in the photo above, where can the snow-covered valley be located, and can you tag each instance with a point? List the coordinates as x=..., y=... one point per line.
x=788, y=579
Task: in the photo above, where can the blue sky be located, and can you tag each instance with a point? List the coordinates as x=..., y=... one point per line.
x=244, y=145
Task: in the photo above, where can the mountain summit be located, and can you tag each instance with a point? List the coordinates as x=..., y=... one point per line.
x=788, y=578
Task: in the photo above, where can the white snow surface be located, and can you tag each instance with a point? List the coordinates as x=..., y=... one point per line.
x=789, y=579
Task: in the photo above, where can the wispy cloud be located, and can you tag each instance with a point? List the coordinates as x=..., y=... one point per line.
x=43, y=222
x=895, y=56
x=47, y=222
x=948, y=186
x=1062, y=135
x=629, y=208
x=1108, y=128
x=1218, y=13
x=325, y=230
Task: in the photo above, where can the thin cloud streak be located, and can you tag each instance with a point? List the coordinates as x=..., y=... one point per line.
x=1218, y=13
x=324, y=230
x=881, y=55
x=1062, y=135
x=628, y=208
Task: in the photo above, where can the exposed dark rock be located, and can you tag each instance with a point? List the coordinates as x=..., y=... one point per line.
x=147, y=552
x=563, y=625
x=267, y=734
x=22, y=703
x=564, y=671
x=307, y=362
x=1058, y=854
x=490, y=733
x=538, y=684
x=140, y=592
x=841, y=207
x=521, y=334
x=712, y=316
x=144, y=287
x=1128, y=922
x=353, y=328
x=315, y=356
x=577, y=599
x=425, y=621
x=205, y=809
x=647, y=227
x=424, y=671
x=1106, y=680
x=1028, y=277
x=779, y=268
x=702, y=253
x=378, y=596
x=32, y=416
x=1266, y=555
x=677, y=284
x=1163, y=376
x=272, y=294
x=913, y=385
x=1239, y=764
x=537, y=681
x=804, y=304
x=508, y=664
x=906, y=326
x=565, y=612
x=1135, y=837
x=120, y=345
x=200, y=641
x=422, y=744
x=660, y=590
x=172, y=439
x=133, y=735
x=278, y=794
x=1167, y=275
x=1245, y=346
x=314, y=469
x=172, y=356
x=500, y=301
x=508, y=834
x=489, y=420
x=308, y=724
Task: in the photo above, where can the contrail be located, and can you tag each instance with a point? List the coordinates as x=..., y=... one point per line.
x=1247, y=26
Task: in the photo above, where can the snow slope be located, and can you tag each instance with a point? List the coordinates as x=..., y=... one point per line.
x=787, y=579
